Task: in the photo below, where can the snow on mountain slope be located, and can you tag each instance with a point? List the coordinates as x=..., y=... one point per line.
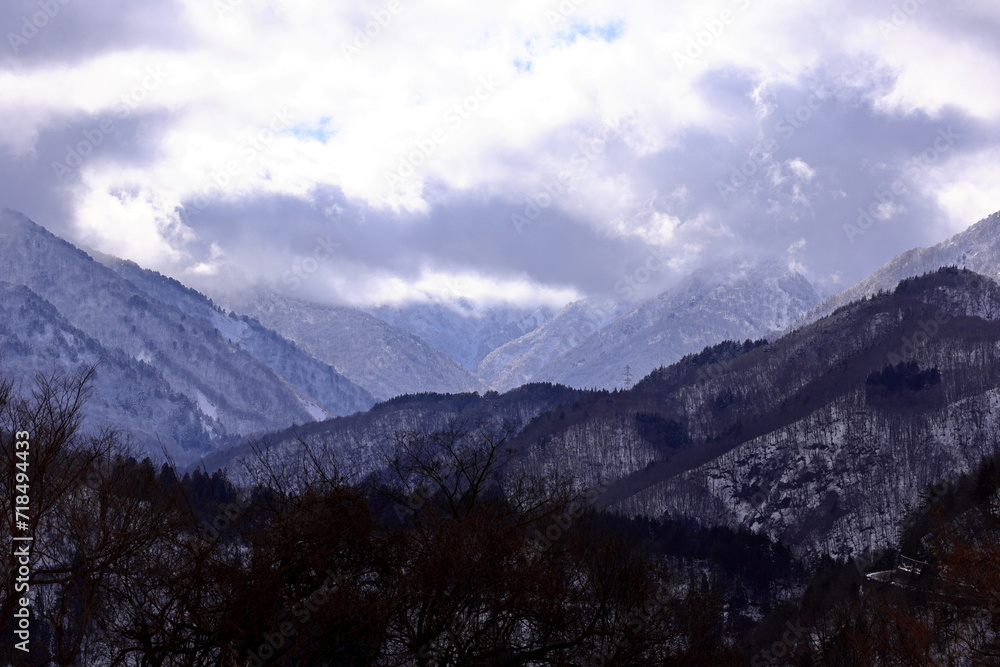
x=126, y=393
x=323, y=391
x=236, y=393
x=803, y=438
x=357, y=445
x=520, y=360
x=837, y=476
x=464, y=333
x=822, y=487
x=743, y=299
x=977, y=249
x=383, y=359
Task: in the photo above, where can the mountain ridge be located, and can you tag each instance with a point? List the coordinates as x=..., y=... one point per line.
x=744, y=298
x=227, y=390
x=373, y=354
x=976, y=248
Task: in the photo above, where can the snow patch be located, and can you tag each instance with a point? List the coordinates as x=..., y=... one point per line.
x=232, y=329
x=206, y=406
x=316, y=412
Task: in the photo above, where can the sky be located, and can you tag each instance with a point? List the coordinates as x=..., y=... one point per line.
x=529, y=152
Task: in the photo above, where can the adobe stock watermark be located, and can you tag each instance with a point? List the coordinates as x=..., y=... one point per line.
x=551, y=191
x=884, y=203
x=304, y=267
x=34, y=23
x=20, y=489
x=418, y=497
x=381, y=19
x=901, y=15
x=598, y=316
x=655, y=262
x=95, y=136
x=703, y=40
x=454, y=118
x=224, y=7
x=796, y=120
x=253, y=146
x=756, y=161
x=223, y=519
x=565, y=9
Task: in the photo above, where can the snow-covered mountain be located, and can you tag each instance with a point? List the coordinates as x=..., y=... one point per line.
x=581, y=348
x=820, y=439
x=357, y=445
x=520, y=360
x=383, y=359
x=463, y=332
x=126, y=392
x=332, y=394
x=852, y=438
x=182, y=381
x=977, y=249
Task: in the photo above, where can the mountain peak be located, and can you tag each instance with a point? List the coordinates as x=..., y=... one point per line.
x=976, y=248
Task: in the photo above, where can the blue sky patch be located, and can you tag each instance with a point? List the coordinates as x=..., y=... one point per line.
x=607, y=32
x=320, y=131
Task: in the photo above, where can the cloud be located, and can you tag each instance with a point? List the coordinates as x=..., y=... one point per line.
x=50, y=34
x=536, y=150
x=802, y=170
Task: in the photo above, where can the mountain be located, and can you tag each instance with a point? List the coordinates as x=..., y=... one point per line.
x=820, y=439
x=520, y=360
x=330, y=392
x=463, y=332
x=744, y=299
x=188, y=385
x=977, y=249
x=126, y=392
x=357, y=445
x=383, y=359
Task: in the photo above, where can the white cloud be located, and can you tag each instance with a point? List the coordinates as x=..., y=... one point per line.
x=491, y=101
x=436, y=284
x=125, y=218
x=969, y=190
x=801, y=169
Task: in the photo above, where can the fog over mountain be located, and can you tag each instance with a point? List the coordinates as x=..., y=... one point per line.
x=382, y=358
x=745, y=299
x=464, y=333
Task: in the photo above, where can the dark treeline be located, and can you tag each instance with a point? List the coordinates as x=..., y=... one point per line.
x=443, y=559
x=446, y=557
